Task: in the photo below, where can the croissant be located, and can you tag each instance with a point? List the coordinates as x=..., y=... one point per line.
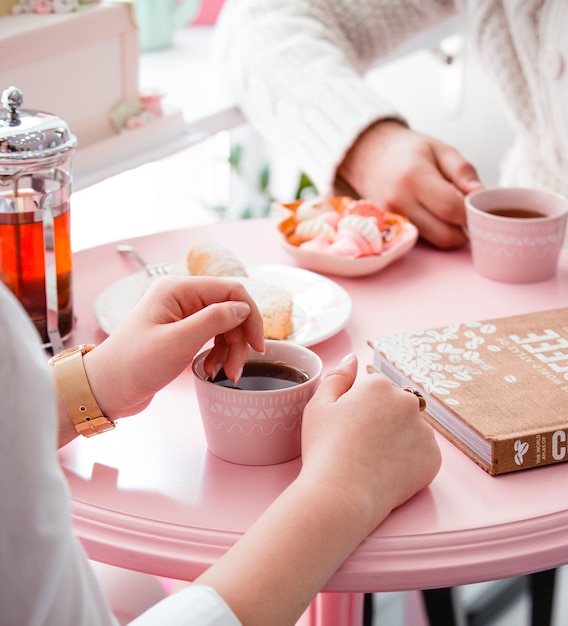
x=274, y=303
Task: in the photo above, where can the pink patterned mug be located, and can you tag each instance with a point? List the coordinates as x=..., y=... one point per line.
x=516, y=234
x=252, y=426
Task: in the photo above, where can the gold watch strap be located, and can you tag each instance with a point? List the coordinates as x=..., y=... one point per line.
x=75, y=391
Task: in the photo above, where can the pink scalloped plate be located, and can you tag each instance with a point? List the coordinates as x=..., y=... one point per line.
x=350, y=266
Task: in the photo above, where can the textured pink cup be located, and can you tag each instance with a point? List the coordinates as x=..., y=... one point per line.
x=257, y=427
x=513, y=249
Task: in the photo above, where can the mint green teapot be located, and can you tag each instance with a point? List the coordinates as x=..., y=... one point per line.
x=158, y=19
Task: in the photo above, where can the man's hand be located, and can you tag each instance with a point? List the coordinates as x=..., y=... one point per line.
x=409, y=173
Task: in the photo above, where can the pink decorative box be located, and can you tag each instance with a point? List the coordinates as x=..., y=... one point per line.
x=77, y=65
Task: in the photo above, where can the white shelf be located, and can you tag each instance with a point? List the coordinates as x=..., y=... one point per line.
x=194, y=109
x=169, y=173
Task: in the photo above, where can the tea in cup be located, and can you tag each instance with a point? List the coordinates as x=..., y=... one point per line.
x=258, y=421
x=516, y=234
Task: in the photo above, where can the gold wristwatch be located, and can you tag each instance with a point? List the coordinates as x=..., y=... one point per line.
x=75, y=391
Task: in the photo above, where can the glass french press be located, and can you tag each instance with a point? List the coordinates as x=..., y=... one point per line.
x=36, y=153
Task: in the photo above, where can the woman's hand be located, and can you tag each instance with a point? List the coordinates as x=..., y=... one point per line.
x=409, y=173
x=365, y=443
x=169, y=325
x=365, y=450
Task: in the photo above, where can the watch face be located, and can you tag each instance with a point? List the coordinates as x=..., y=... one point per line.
x=82, y=348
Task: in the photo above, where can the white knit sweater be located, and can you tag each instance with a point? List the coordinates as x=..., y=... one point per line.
x=296, y=69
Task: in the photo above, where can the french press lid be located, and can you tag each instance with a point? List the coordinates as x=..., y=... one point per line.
x=30, y=135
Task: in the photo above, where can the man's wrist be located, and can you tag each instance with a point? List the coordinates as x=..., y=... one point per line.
x=357, y=163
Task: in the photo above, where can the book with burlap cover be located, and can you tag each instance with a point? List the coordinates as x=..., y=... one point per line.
x=497, y=389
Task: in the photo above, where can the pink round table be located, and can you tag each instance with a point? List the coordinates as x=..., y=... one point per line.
x=150, y=497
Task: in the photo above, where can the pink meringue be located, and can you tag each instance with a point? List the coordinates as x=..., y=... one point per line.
x=331, y=217
x=350, y=243
x=364, y=208
x=366, y=227
x=319, y=244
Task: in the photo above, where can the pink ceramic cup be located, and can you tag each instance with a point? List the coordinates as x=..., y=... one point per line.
x=257, y=427
x=516, y=249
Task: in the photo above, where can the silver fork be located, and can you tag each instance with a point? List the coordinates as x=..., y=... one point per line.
x=152, y=269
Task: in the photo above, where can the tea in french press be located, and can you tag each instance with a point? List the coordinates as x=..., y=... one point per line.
x=36, y=152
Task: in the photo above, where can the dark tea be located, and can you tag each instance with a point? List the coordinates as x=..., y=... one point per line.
x=27, y=256
x=516, y=212
x=264, y=376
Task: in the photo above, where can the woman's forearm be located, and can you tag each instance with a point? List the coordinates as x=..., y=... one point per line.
x=272, y=574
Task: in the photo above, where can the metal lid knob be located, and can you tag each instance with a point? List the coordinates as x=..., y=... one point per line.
x=27, y=135
x=11, y=100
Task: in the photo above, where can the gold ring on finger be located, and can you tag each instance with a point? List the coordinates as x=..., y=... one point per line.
x=422, y=402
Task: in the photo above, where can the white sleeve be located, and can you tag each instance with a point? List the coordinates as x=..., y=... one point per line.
x=296, y=69
x=195, y=605
x=46, y=577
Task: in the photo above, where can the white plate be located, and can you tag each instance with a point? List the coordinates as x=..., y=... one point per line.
x=321, y=308
x=350, y=266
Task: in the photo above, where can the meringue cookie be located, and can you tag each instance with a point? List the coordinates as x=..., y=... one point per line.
x=312, y=227
x=319, y=244
x=350, y=243
x=311, y=208
x=367, y=227
x=332, y=218
x=364, y=208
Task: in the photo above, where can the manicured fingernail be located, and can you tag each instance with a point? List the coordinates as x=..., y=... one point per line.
x=241, y=310
x=238, y=376
x=348, y=358
x=216, y=369
x=474, y=183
